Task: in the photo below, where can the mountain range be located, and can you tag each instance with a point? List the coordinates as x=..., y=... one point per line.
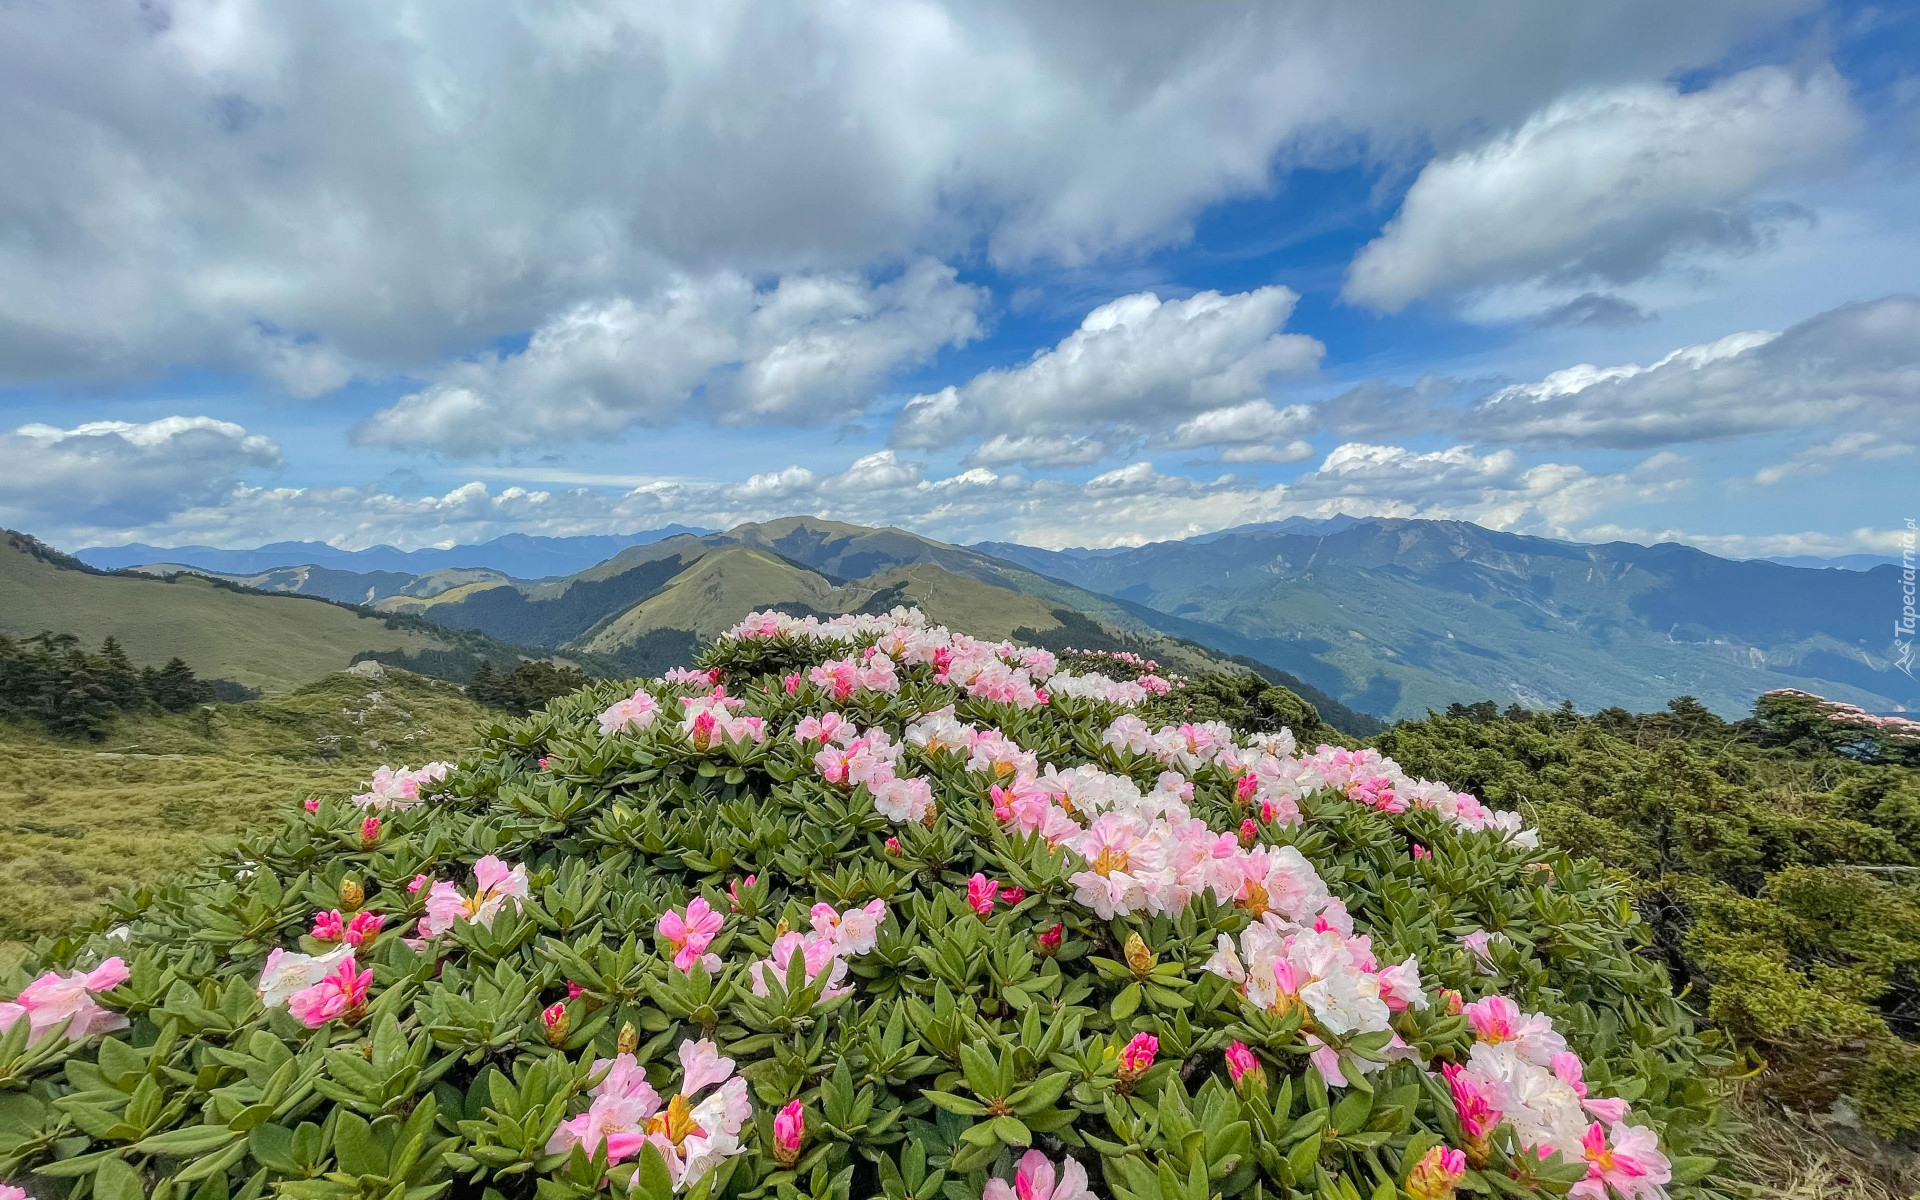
x=1388, y=617
x=517, y=554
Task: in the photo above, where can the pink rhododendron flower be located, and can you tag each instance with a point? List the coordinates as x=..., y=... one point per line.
x=341, y=992
x=1627, y=1159
x=498, y=884
x=853, y=932
x=1571, y=1071
x=690, y=933
x=328, y=927
x=693, y=1132
x=54, y=998
x=10, y=1192
x=1497, y=1019
x=1035, y=1178
x=417, y=882
x=1474, y=1100
x=980, y=894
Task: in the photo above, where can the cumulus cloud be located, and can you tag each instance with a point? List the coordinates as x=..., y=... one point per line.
x=379, y=186
x=1607, y=185
x=114, y=472
x=1859, y=363
x=810, y=348
x=1134, y=362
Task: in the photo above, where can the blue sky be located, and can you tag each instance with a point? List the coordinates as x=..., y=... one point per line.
x=367, y=273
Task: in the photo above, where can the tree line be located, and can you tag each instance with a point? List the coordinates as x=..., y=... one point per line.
x=50, y=680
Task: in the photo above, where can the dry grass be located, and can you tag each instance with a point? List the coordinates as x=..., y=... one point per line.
x=1801, y=1156
x=79, y=821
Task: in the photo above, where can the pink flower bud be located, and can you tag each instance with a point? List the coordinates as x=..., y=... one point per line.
x=1249, y=833
x=893, y=845
x=545, y=763
x=1050, y=940
x=364, y=927
x=328, y=926
x=369, y=833
x=1436, y=1174
x=1137, y=1056
x=791, y=683
x=1244, y=1065
x=1245, y=786
x=733, y=891
x=1013, y=895
x=1420, y=851
x=554, y=1017
x=311, y=804
x=418, y=882
x=789, y=1127
x=574, y=990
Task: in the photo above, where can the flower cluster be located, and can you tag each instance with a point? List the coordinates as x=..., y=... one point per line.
x=694, y=1131
x=638, y=711
x=850, y=758
x=497, y=885
x=54, y=1000
x=398, y=789
x=835, y=937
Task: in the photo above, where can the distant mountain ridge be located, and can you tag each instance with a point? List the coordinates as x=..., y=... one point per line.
x=1394, y=616
x=520, y=555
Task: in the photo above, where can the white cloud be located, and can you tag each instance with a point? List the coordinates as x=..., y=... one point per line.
x=1135, y=362
x=1607, y=185
x=1253, y=421
x=114, y=472
x=1859, y=363
x=1496, y=489
x=391, y=184
x=1037, y=450
x=1819, y=459
x=1293, y=452
x=810, y=348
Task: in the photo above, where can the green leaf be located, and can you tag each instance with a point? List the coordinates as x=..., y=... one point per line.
x=1126, y=1002
x=115, y=1180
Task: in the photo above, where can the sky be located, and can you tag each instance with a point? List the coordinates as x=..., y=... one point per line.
x=424, y=272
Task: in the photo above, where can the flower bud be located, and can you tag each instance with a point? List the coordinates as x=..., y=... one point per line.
x=1135, y=1058
x=370, y=833
x=629, y=1039
x=893, y=845
x=933, y=812
x=352, y=895
x=311, y=804
x=1245, y=1067
x=789, y=1127
x=1139, y=958
x=1050, y=939
x=1249, y=833
x=554, y=1017
x=1436, y=1174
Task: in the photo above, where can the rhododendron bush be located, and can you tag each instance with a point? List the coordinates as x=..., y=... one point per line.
x=865, y=907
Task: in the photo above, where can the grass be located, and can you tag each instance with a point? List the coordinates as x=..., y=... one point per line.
x=79, y=821
x=1801, y=1156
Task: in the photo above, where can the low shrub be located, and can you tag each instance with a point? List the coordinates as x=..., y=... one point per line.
x=863, y=908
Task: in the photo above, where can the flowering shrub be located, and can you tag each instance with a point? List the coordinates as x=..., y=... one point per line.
x=867, y=908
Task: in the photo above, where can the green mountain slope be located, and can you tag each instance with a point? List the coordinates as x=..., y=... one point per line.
x=1398, y=616
x=273, y=642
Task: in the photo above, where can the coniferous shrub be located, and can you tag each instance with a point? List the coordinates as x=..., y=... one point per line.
x=863, y=908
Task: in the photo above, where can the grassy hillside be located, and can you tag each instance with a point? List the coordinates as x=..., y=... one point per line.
x=79, y=820
x=263, y=641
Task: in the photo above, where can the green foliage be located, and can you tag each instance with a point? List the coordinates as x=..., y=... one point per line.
x=48, y=679
x=1777, y=858
x=526, y=687
x=963, y=1041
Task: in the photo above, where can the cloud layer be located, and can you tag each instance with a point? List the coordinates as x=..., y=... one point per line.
x=1607, y=186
